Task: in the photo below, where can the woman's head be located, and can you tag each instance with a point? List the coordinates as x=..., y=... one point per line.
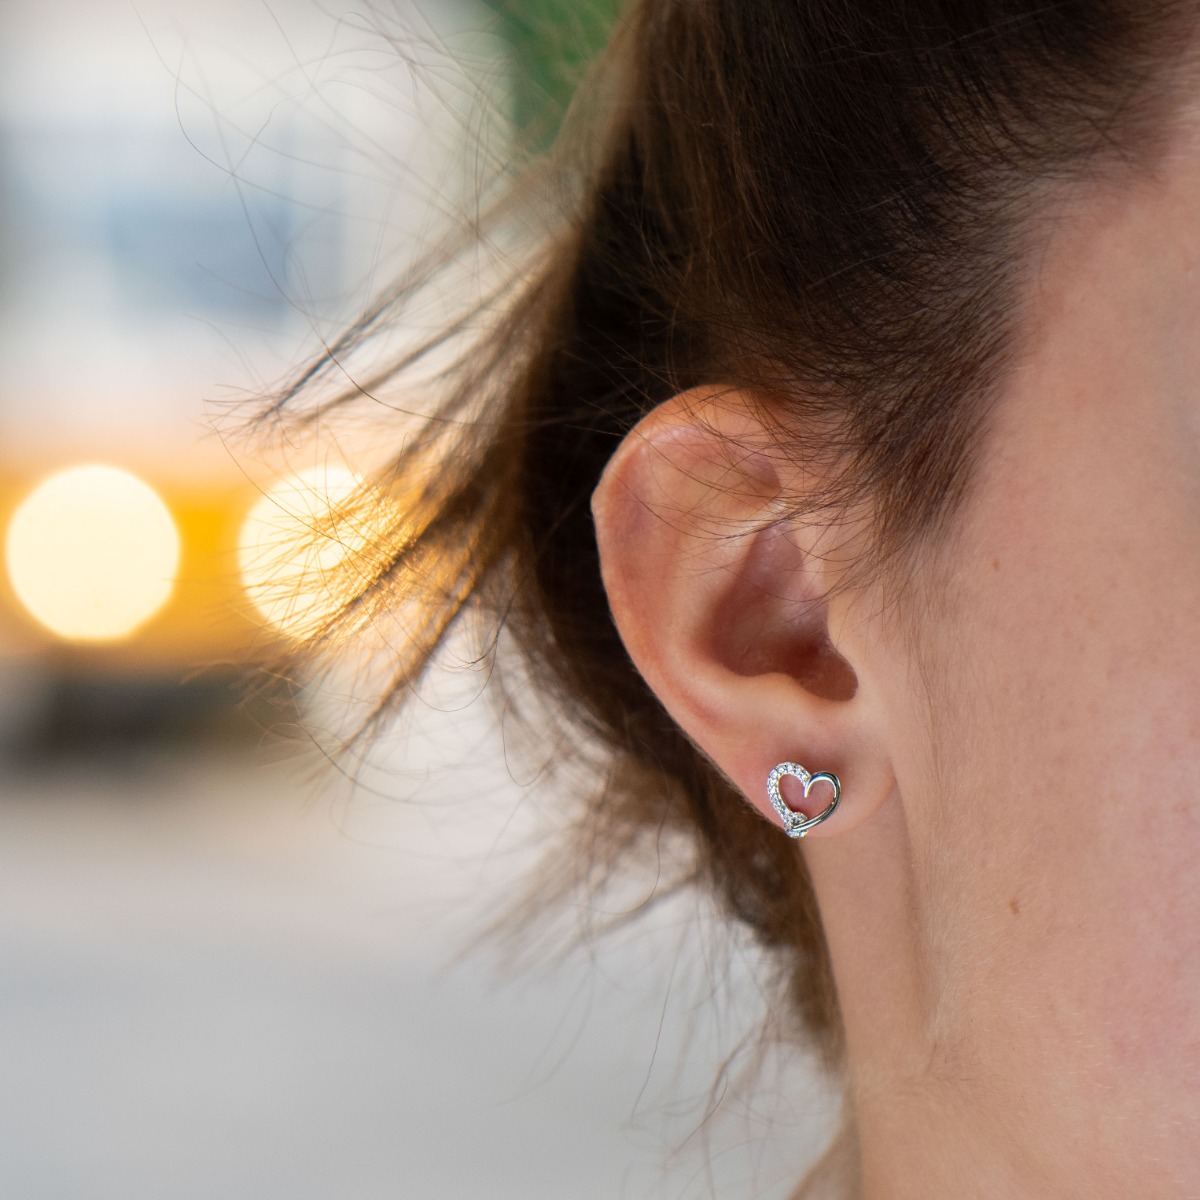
x=850, y=420
x=1008, y=888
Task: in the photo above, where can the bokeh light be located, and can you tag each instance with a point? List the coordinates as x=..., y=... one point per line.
x=293, y=544
x=92, y=553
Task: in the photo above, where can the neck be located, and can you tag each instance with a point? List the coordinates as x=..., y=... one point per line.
x=967, y=1074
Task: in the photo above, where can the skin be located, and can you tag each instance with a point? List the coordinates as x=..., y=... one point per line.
x=1011, y=885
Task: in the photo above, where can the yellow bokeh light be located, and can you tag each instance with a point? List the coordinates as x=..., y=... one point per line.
x=292, y=545
x=92, y=553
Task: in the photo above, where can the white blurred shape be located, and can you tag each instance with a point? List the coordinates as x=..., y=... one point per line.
x=92, y=553
x=293, y=545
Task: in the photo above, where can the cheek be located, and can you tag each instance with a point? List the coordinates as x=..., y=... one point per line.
x=1070, y=666
x=1062, y=811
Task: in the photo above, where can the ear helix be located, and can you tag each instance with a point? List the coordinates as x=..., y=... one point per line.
x=796, y=824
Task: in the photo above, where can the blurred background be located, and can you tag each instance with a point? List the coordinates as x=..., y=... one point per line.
x=227, y=967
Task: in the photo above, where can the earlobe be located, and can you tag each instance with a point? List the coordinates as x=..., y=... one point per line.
x=723, y=603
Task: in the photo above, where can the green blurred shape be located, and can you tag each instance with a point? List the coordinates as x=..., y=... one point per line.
x=554, y=41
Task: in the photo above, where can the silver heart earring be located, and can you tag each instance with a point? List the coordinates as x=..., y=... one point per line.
x=797, y=824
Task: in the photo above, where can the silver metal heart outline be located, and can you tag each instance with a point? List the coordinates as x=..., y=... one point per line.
x=796, y=824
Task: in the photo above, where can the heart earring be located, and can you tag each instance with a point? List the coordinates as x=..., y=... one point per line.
x=797, y=824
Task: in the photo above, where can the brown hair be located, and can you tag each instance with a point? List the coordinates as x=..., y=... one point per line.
x=827, y=203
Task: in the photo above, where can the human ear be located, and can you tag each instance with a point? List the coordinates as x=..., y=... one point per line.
x=724, y=604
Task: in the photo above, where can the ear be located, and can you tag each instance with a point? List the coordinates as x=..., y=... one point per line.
x=724, y=604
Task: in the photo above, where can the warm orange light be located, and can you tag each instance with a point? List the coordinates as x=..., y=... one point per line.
x=292, y=545
x=92, y=552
